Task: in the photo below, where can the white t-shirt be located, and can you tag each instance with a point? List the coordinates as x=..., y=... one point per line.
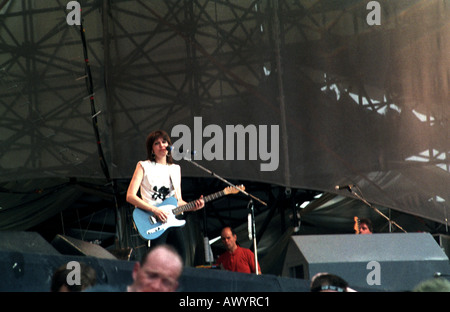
x=159, y=181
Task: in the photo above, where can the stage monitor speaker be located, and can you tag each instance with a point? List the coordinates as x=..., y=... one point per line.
x=388, y=261
x=25, y=242
x=72, y=246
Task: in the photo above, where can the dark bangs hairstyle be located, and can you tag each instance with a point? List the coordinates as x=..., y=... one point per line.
x=151, y=138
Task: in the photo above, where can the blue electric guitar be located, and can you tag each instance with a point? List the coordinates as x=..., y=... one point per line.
x=149, y=227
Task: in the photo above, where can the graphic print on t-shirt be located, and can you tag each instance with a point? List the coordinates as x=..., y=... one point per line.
x=160, y=193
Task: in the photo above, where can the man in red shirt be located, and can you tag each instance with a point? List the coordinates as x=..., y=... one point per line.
x=236, y=258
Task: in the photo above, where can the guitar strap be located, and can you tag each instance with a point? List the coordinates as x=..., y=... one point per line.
x=174, y=189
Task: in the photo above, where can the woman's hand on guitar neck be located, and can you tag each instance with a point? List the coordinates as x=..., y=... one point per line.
x=199, y=204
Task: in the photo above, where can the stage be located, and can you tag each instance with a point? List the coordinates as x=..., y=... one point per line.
x=27, y=263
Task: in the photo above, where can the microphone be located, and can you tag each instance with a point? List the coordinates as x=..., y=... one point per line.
x=344, y=187
x=178, y=155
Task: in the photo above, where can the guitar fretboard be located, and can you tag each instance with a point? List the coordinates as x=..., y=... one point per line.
x=191, y=205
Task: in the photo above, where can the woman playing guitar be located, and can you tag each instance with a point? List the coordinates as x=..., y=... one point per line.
x=158, y=178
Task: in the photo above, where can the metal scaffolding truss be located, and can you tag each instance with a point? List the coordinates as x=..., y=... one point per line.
x=45, y=120
x=159, y=59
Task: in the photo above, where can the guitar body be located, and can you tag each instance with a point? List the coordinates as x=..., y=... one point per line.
x=149, y=227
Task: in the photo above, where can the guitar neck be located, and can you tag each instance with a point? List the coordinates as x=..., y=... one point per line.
x=191, y=205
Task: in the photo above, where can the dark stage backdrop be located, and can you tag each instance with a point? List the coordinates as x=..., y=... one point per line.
x=303, y=94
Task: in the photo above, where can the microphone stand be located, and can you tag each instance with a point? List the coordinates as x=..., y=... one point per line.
x=350, y=188
x=224, y=180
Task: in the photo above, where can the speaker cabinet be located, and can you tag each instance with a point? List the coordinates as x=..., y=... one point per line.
x=29, y=242
x=28, y=261
x=72, y=246
x=391, y=261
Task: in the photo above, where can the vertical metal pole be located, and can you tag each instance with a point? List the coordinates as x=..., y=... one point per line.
x=254, y=237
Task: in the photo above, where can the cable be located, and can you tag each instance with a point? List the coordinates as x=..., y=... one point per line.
x=94, y=114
